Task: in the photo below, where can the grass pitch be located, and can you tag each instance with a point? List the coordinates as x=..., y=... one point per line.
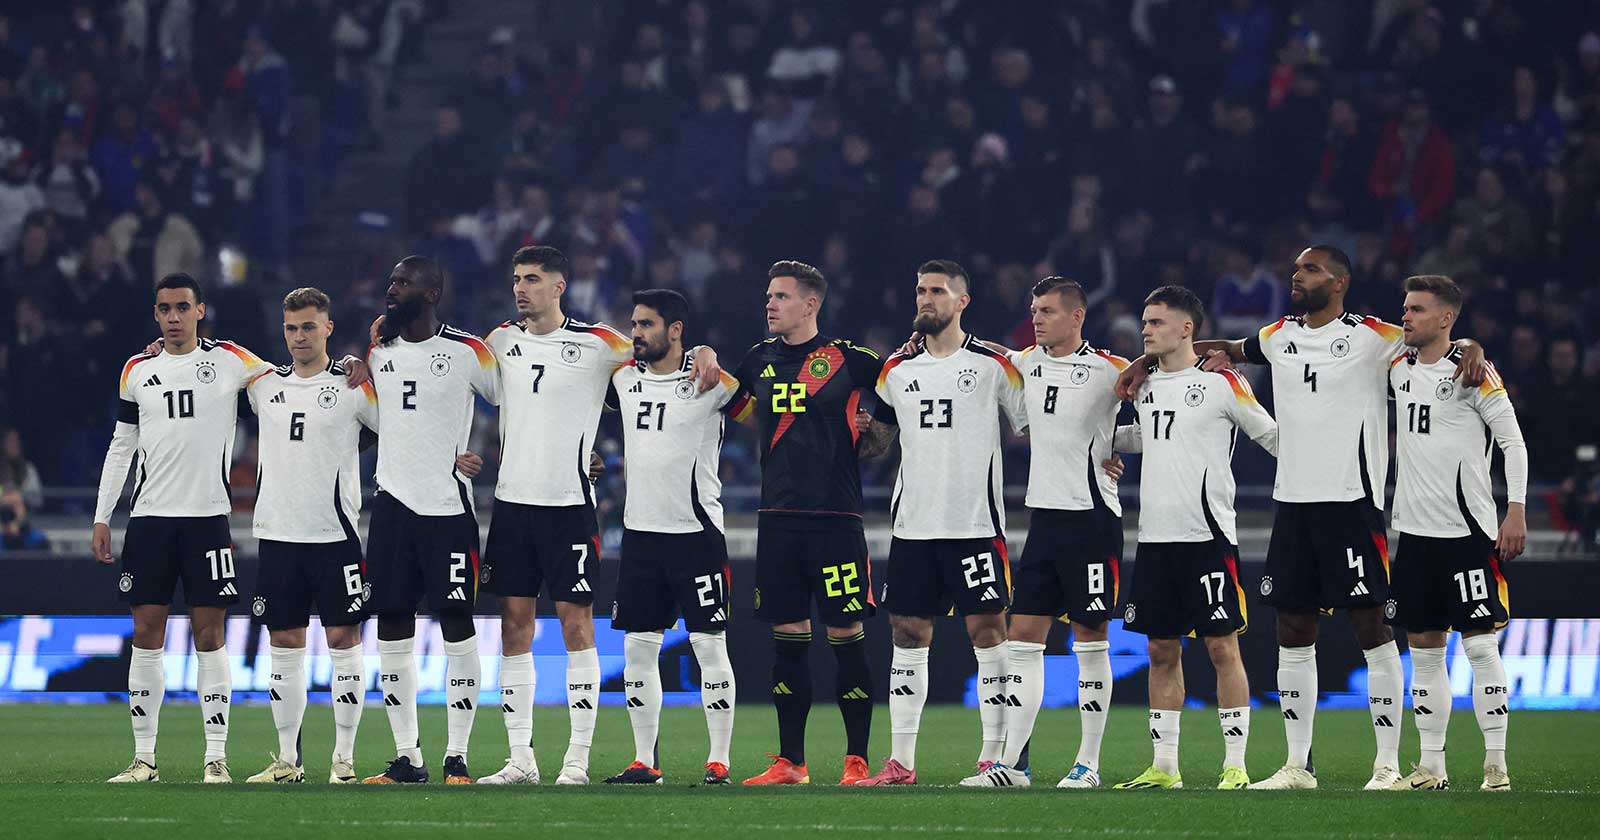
x=53, y=760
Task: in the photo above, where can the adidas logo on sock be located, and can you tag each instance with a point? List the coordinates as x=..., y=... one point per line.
x=349, y=697
x=1498, y=710
x=388, y=367
x=506, y=707
x=1003, y=700
x=1360, y=589
x=456, y=595
x=583, y=586
x=902, y=691
x=719, y=706
x=1233, y=732
x=1482, y=611
x=1221, y=614
x=634, y=702
x=463, y=705
x=217, y=720
x=1096, y=605
x=1154, y=735
x=780, y=688
x=228, y=589
x=273, y=693
x=138, y=711
x=583, y=704
x=855, y=694
x=391, y=700
x=1092, y=706
x=1382, y=720
x=1423, y=710
x=1288, y=714
x=988, y=594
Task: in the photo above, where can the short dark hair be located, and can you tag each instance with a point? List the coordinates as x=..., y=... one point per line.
x=1071, y=292
x=670, y=304
x=806, y=275
x=1182, y=299
x=427, y=268
x=306, y=298
x=1338, y=258
x=544, y=257
x=180, y=280
x=949, y=268
x=1439, y=286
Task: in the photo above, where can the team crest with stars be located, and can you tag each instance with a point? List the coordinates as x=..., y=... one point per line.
x=258, y=607
x=684, y=390
x=1079, y=375
x=967, y=381
x=1389, y=608
x=440, y=365
x=328, y=397
x=1266, y=584
x=205, y=372
x=819, y=367
x=125, y=583
x=1340, y=347
x=1194, y=396
x=485, y=572
x=366, y=591
x=1444, y=390
x=1129, y=613
x=571, y=353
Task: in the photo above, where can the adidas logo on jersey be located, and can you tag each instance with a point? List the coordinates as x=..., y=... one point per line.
x=279, y=398
x=583, y=703
x=902, y=691
x=988, y=594
x=638, y=388
x=1291, y=350
x=719, y=706
x=1220, y=614
x=228, y=589
x=583, y=586
x=1406, y=386
x=216, y=720
x=1038, y=371
x=456, y=595
x=913, y=387
x=1360, y=589
x=348, y=698
x=768, y=372
x=388, y=367
x=1096, y=604
x=1482, y=611
x=463, y=705
x=154, y=380
x=516, y=350
x=1149, y=399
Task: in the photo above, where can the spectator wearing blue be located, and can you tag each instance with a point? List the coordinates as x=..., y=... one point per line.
x=16, y=532
x=1525, y=137
x=708, y=139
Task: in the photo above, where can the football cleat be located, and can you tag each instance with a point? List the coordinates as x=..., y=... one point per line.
x=1080, y=777
x=573, y=773
x=638, y=773
x=455, y=770
x=216, y=773
x=1287, y=778
x=1152, y=779
x=1383, y=778
x=343, y=771
x=716, y=774
x=400, y=772
x=782, y=772
x=855, y=769
x=138, y=771
x=1420, y=779
x=893, y=773
x=997, y=775
x=1233, y=778
x=1495, y=779
x=277, y=772
x=511, y=774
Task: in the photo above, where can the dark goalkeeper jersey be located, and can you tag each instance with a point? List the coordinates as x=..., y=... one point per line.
x=806, y=396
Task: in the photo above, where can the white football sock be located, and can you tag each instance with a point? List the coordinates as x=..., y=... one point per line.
x=349, y=691
x=1235, y=735
x=1297, y=696
x=397, y=677
x=463, y=674
x=908, y=692
x=1385, y=682
x=717, y=691
x=517, y=682
x=1094, y=698
x=1025, y=661
x=1430, y=704
x=583, y=696
x=215, y=681
x=1489, y=695
x=641, y=682
x=288, y=690
x=1164, y=735
x=992, y=673
x=147, y=688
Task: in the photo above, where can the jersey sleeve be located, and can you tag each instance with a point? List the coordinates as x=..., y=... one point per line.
x=1493, y=404
x=250, y=392
x=1248, y=415
x=250, y=365
x=486, y=373
x=124, y=443
x=1256, y=346
x=1128, y=439
x=1390, y=339
x=1012, y=401
x=880, y=384
x=865, y=365
x=367, y=407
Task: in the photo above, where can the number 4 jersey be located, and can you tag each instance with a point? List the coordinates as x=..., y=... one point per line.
x=178, y=415
x=308, y=481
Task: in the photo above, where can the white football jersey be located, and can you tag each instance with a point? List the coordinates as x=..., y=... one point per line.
x=553, y=389
x=1443, y=429
x=425, y=409
x=1072, y=417
x=178, y=415
x=672, y=439
x=1187, y=421
x=308, y=451
x=1330, y=392
x=949, y=485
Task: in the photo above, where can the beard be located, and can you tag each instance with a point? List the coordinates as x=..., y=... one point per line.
x=647, y=353
x=1310, y=300
x=931, y=323
x=398, y=317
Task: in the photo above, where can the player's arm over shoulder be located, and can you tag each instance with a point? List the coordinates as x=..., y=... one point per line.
x=864, y=363
x=1247, y=413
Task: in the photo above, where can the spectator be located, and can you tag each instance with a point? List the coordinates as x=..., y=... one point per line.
x=443, y=176
x=19, y=195
x=635, y=159
x=485, y=100
x=69, y=184
x=782, y=122
x=784, y=215
x=539, y=225
x=534, y=149
x=118, y=155
x=707, y=140
x=153, y=241
x=1246, y=296
x=1414, y=173
x=1455, y=257
x=990, y=201
x=1164, y=148
x=32, y=270
x=17, y=533
x=94, y=303
x=16, y=471
x=1562, y=396
x=1526, y=137
x=1339, y=195
x=803, y=66
x=924, y=229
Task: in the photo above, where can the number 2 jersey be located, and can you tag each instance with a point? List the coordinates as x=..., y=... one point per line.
x=1186, y=429
x=950, y=481
x=1443, y=436
x=805, y=398
x=308, y=473
x=177, y=418
x=1330, y=393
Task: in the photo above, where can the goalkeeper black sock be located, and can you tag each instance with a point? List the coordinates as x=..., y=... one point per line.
x=854, y=690
x=791, y=692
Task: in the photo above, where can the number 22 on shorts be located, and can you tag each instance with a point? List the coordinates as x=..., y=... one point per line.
x=839, y=581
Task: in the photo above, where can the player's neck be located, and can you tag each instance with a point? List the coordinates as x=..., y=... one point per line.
x=1434, y=350
x=423, y=328
x=1180, y=359
x=946, y=342
x=547, y=323
x=308, y=369
x=672, y=362
x=800, y=335
x=1324, y=316
x=1071, y=345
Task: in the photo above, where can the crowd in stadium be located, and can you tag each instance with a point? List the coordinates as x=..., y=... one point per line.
x=690, y=143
